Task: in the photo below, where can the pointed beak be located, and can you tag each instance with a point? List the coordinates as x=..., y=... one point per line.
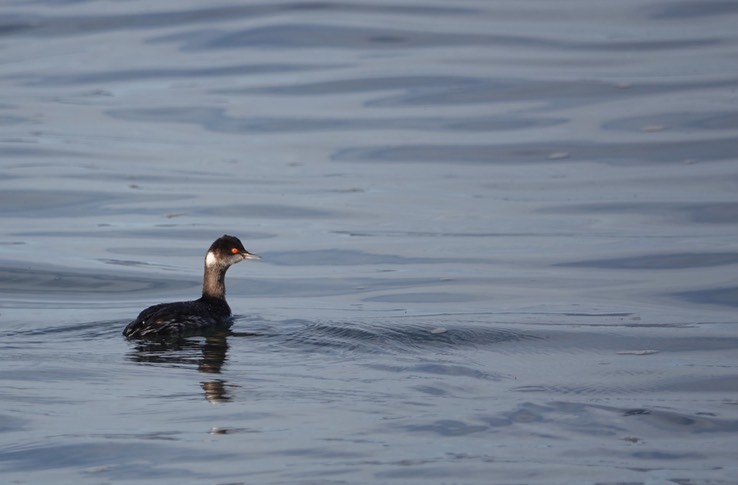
x=248, y=255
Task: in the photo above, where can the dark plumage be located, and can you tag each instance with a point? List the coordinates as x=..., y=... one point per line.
x=208, y=312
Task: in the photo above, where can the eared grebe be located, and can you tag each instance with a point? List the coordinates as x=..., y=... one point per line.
x=190, y=317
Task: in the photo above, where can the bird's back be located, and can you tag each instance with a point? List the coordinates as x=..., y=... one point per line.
x=180, y=318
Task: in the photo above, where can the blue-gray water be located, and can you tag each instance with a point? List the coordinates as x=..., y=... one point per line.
x=499, y=241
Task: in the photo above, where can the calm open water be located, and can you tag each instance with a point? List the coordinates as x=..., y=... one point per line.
x=499, y=241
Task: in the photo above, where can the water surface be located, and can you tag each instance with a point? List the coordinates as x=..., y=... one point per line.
x=498, y=241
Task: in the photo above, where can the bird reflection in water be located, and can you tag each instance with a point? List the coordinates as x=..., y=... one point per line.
x=207, y=354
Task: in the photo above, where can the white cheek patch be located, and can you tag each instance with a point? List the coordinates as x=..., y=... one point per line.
x=210, y=259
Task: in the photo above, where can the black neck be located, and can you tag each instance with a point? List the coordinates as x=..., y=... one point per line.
x=213, y=285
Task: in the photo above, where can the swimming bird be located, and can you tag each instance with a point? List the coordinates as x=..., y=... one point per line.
x=210, y=311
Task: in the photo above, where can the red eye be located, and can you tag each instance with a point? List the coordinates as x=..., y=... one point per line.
x=234, y=250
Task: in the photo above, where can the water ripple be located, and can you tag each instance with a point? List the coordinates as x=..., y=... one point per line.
x=621, y=154
x=390, y=337
x=36, y=24
x=306, y=36
x=660, y=261
x=216, y=119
